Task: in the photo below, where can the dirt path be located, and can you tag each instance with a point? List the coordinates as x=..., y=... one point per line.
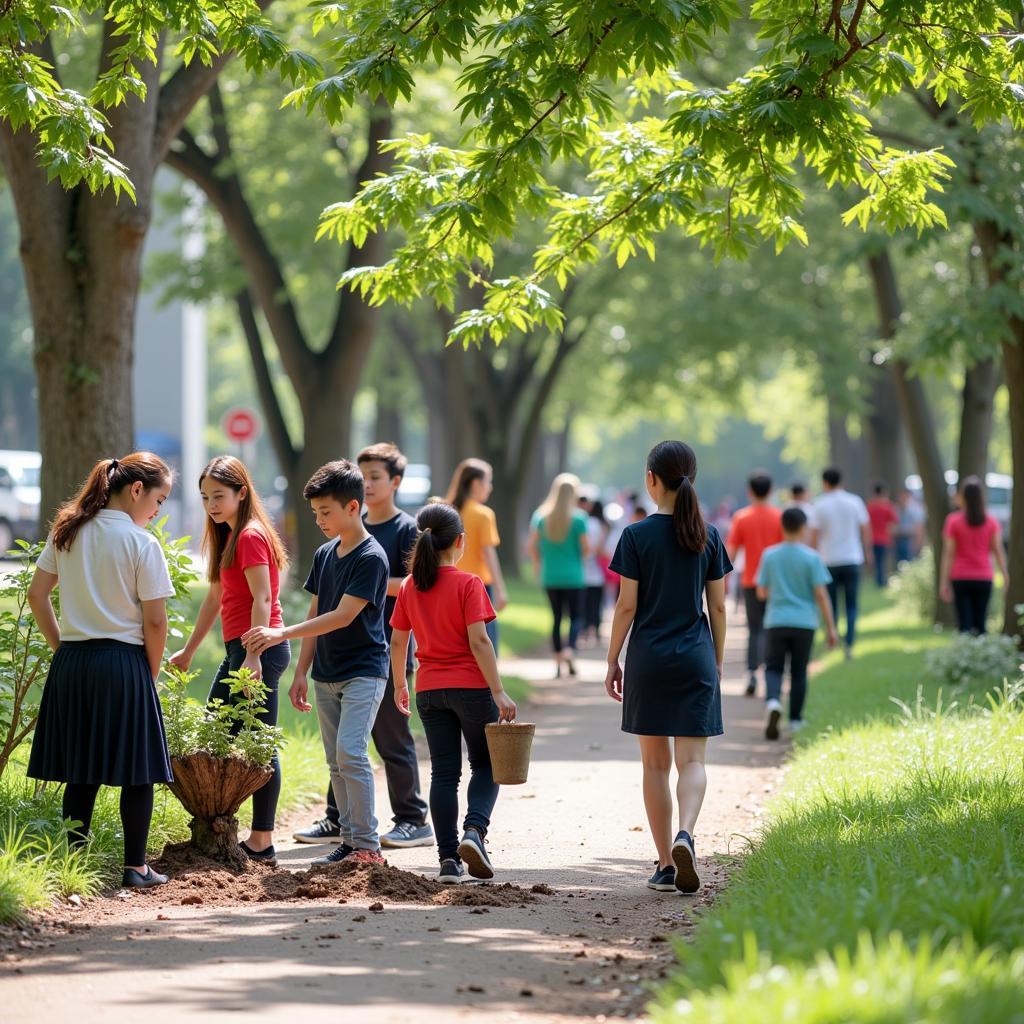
x=587, y=952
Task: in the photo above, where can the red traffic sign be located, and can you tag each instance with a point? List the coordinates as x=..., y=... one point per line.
x=241, y=424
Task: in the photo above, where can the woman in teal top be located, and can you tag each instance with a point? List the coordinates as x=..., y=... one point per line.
x=558, y=546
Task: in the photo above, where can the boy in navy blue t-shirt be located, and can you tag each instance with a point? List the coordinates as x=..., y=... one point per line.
x=792, y=578
x=343, y=641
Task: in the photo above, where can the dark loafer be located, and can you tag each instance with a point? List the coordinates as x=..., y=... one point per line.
x=132, y=879
x=267, y=856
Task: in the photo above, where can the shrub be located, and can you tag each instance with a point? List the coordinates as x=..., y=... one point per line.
x=914, y=588
x=974, y=659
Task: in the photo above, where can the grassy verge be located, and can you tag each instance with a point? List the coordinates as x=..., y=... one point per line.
x=35, y=863
x=889, y=883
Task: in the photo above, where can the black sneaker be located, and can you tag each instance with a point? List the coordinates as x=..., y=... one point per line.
x=132, y=879
x=684, y=856
x=322, y=831
x=267, y=856
x=405, y=834
x=336, y=856
x=451, y=872
x=751, y=686
x=663, y=879
x=474, y=854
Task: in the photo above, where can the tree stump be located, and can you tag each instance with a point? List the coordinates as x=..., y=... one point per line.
x=212, y=789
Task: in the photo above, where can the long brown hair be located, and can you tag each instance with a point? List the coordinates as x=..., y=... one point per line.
x=108, y=477
x=219, y=540
x=440, y=526
x=972, y=493
x=675, y=465
x=466, y=473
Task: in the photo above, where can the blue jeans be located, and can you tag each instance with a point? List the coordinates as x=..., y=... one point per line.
x=847, y=577
x=347, y=711
x=450, y=716
x=492, y=626
x=881, y=558
x=903, y=550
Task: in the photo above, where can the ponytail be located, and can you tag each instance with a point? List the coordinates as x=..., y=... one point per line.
x=440, y=526
x=108, y=477
x=675, y=465
x=973, y=496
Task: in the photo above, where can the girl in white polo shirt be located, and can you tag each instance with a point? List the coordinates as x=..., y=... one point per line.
x=99, y=719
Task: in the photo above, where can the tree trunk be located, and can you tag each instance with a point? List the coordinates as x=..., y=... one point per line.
x=980, y=384
x=917, y=415
x=846, y=453
x=884, y=433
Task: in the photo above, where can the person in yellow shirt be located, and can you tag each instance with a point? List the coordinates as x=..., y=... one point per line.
x=471, y=486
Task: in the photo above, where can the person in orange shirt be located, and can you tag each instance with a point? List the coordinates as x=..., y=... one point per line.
x=471, y=486
x=754, y=528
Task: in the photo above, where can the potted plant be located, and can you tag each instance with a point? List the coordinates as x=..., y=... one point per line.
x=220, y=755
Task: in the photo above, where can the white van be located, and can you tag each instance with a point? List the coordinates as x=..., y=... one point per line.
x=998, y=493
x=19, y=497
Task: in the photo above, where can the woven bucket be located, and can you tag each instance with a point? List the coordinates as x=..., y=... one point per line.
x=510, y=744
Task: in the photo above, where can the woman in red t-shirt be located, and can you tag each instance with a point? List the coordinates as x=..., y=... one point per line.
x=972, y=539
x=458, y=689
x=245, y=558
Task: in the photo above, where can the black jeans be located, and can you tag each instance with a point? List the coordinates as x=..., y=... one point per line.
x=848, y=578
x=881, y=559
x=562, y=600
x=755, y=628
x=273, y=662
x=397, y=749
x=136, y=814
x=795, y=644
x=450, y=716
x=971, y=598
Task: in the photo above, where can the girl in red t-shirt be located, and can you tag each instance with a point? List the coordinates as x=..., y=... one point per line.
x=458, y=689
x=971, y=539
x=245, y=558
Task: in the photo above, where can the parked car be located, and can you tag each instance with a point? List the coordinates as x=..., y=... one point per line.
x=19, y=497
x=415, y=489
x=998, y=493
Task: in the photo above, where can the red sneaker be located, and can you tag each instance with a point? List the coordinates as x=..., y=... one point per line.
x=364, y=857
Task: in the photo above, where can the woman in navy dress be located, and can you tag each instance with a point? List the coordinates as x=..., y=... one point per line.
x=670, y=563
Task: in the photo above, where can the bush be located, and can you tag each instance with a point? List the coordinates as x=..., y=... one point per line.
x=975, y=659
x=914, y=588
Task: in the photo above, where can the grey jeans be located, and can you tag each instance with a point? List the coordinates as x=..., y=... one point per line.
x=347, y=711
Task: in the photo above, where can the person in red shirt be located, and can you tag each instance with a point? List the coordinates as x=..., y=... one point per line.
x=458, y=689
x=884, y=517
x=245, y=557
x=971, y=539
x=754, y=528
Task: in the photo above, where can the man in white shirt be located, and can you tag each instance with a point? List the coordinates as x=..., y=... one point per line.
x=842, y=535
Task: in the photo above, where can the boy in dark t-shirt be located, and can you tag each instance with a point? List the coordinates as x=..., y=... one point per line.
x=383, y=467
x=344, y=643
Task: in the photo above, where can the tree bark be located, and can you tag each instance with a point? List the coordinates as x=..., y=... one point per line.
x=884, y=432
x=917, y=413
x=846, y=453
x=980, y=383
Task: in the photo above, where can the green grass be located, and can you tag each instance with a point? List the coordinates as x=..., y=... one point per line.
x=888, y=885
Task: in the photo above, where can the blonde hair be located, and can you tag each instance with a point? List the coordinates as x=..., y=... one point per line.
x=559, y=507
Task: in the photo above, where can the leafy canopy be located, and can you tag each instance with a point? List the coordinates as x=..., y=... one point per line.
x=540, y=84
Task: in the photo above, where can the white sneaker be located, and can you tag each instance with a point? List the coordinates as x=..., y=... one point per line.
x=773, y=712
x=796, y=725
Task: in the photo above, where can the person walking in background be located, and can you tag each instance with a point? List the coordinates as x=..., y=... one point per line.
x=670, y=692
x=458, y=689
x=792, y=581
x=595, y=566
x=471, y=486
x=244, y=558
x=558, y=547
x=799, y=498
x=99, y=718
x=971, y=540
x=908, y=534
x=754, y=528
x=842, y=535
x=884, y=518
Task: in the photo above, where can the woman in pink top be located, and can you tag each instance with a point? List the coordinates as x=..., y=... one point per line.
x=972, y=538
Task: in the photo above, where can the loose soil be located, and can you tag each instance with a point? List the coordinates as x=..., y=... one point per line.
x=196, y=880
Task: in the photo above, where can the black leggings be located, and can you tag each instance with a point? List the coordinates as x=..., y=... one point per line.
x=273, y=661
x=971, y=598
x=136, y=814
x=566, y=599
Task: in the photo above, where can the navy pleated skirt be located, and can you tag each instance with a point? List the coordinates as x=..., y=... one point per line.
x=99, y=719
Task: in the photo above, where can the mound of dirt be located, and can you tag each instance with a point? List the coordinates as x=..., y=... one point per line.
x=196, y=880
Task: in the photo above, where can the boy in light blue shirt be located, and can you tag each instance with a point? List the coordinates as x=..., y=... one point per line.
x=792, y=578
